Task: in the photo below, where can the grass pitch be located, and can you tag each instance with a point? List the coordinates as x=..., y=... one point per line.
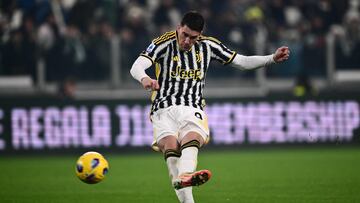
x=255, y=175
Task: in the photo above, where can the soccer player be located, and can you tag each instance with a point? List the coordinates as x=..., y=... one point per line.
x=181, y=59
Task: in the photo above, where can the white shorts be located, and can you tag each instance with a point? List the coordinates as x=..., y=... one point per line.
x=178, y=121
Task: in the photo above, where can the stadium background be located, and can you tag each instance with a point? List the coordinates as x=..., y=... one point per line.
x=65, y=88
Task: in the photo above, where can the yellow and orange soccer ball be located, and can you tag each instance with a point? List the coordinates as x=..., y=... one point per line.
x=91, y=167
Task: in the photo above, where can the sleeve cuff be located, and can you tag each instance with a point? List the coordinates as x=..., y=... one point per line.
x=231, y=58
x=148, y=57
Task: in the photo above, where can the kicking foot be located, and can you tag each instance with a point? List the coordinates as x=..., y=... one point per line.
x=192, y=179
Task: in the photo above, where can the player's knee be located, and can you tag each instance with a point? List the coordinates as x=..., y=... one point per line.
x=191, y=143
x=192, y=136
x=168, y=142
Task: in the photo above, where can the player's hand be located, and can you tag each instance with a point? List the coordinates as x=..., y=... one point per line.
x=150, y=84
x=281, y=54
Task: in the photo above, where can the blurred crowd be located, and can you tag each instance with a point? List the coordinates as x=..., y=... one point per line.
x=74, y=37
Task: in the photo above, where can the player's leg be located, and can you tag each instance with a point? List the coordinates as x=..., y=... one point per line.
x=188, y=176
x=193, y=134
x=185, y=192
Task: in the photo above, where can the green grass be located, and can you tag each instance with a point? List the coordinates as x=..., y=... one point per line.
x=271, y=175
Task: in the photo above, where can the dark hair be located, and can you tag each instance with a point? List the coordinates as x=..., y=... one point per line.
x=193, y=20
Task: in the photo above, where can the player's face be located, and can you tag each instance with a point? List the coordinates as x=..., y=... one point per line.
x=187, y=37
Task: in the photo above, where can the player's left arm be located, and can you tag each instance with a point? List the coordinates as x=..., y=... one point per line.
x=224, y=55
x=253, y=62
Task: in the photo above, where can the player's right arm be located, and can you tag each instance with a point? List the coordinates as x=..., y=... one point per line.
x=148, y=57
x=143, y=62
x=137, y=71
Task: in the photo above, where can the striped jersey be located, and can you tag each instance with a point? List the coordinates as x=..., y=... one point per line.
x=181, y=74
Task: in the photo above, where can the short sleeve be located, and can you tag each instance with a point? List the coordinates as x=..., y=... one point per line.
x=158, y=47
x=220, y=52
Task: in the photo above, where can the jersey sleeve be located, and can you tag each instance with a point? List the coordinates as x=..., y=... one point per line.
x=151, y=52
x=220, y=52
x=158, y=47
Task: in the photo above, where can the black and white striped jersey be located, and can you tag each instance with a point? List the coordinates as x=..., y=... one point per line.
x=181, y=74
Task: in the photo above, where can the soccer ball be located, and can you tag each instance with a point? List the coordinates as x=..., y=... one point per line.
x=91, y=167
